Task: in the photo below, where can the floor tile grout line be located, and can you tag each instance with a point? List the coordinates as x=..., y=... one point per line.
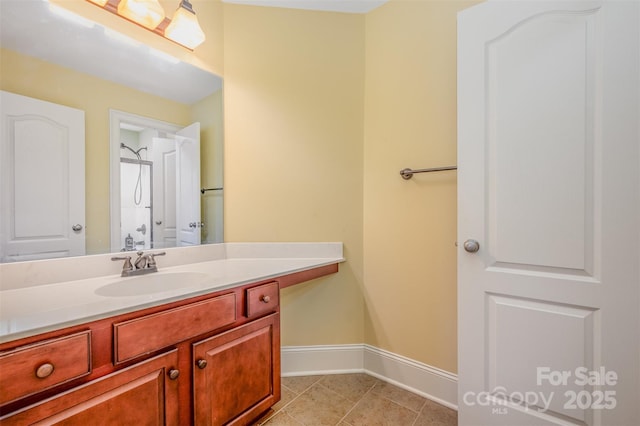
x=317, y=382
x=374, y=389
x=424, y=403
x=355, y=405
x=383, y=396
x=298, y=395
x=281, y=409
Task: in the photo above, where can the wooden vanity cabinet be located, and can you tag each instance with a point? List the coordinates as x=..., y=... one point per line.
x=209, y=360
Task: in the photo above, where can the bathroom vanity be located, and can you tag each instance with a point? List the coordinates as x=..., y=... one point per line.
x=205, y=354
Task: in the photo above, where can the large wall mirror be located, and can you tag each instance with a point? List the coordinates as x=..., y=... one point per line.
x=107, y=144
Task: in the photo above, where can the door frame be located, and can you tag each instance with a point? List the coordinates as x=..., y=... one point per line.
x=116, y=118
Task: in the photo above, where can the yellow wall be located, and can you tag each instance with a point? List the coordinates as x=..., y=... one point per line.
x=410, y=226
x=209, y=113
x=38, y=79
x=293, y=152
x=312, y=156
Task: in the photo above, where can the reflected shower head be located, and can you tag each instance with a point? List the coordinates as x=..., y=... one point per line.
x=137, y=153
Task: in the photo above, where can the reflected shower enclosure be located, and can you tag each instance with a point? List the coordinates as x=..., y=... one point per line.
x=136, y=204
x=136, y=194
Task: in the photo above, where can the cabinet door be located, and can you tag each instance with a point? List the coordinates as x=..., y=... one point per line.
x=237, y=373
x=143, y=394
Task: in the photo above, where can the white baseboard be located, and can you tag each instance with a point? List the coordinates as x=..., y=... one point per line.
x=430, y=382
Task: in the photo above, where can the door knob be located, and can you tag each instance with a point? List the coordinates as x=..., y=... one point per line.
x=471, y=246
x=77, y=227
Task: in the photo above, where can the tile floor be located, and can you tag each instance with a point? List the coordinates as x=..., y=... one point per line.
x=352, y=400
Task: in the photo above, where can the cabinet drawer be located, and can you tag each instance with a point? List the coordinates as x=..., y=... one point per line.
x=33, y=368
x=263, y=299
x=143, y=394
x=153, y=332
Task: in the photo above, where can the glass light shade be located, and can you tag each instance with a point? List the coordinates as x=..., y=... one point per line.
x=99, y=2
x=147, y=13
x=184, y=27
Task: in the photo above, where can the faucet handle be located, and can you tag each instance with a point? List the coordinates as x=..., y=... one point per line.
x=141, y=261
x=127, y=263
x=152, y=260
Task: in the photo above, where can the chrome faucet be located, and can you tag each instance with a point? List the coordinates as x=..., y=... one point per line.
x=144, y=264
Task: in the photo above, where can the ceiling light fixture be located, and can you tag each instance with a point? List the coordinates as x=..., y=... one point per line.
x=148, y=13
x=183, y=28
x=99, y=2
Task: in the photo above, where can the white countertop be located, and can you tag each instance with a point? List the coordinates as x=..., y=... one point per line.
x=32, y=309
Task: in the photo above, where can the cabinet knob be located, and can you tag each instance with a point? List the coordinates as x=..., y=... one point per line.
x=201, y=363
x=265, y=299
x=174, y=374
x=44, y=370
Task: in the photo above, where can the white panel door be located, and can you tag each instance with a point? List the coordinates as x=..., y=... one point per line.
x=549, y=186
x=188, y=186
x=164, y=192
x=42, y=179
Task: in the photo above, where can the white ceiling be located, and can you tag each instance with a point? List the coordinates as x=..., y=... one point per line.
x=33, y=28
x=346, y=6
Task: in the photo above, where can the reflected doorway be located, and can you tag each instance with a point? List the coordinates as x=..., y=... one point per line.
x=155, y=179
x=136, y=198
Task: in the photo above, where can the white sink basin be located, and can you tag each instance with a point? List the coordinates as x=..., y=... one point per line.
x=155, y=282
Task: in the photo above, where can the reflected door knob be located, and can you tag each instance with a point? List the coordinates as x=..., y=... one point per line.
x=471, y=246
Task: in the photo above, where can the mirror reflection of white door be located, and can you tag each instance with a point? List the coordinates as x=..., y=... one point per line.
x=548, y=156
x=164, y=192
x=188, y=186
x=42, y=201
